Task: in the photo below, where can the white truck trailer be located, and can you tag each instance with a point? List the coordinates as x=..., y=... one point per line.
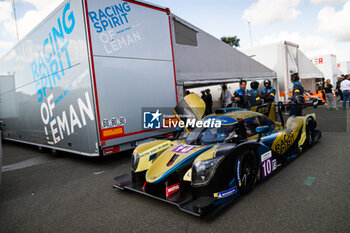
x=286, y=58
x=79, y=80
x=344, y=67
x=328, y=66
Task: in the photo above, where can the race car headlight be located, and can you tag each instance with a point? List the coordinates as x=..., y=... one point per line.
x=203, y=171
x=135, y=158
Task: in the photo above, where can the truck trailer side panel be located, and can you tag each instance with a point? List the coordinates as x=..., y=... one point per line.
x=131, y=51
x=54, y=105
x=79, y=81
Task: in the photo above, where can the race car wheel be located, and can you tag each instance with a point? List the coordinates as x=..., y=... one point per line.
x=246, y=171
x=310, y=132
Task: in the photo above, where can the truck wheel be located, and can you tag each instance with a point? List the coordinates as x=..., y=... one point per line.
x=246, y=171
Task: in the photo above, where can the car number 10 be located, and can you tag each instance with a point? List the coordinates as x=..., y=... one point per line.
x=267, y=168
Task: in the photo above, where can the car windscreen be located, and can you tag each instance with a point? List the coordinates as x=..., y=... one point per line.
x=206, y=136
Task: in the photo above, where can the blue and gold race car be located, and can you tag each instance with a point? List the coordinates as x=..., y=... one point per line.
x=205, y=169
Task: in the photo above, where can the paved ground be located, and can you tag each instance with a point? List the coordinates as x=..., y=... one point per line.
x=42, y=192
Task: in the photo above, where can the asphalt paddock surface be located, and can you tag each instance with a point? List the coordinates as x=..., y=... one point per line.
x=42, y=192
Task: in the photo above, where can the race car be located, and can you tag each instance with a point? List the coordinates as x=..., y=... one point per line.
x=311, y=97
x=204, y=170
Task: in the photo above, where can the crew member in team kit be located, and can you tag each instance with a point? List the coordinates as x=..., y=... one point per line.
x=255, y=96
x=298, y=96
x=268, y=93
x=241, y=96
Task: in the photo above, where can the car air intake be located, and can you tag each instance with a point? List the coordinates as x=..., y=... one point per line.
x=172, y=160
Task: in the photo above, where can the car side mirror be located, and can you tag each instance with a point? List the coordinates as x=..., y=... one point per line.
x=262, y=130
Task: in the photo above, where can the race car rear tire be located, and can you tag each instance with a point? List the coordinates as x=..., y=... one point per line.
x=246, y=171
x=310, y=132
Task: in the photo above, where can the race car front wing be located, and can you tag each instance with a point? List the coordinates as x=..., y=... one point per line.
x=198, y=206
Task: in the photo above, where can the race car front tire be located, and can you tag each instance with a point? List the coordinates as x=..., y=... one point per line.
x=246, y=171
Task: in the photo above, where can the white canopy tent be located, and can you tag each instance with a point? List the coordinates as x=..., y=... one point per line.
x=201, y=59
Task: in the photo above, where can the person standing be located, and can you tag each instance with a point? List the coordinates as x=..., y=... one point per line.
x=297, y=98
x=209, y=103
x=242, y=96
x=268, y=93
x=328, y=91
x=345, y=88
x=338, y=92
x=255, y=96
x=204, y=96
x=322, y=83
x=225, y=96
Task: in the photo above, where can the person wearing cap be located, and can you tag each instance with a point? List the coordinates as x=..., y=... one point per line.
x=255, y=96
x=242, y=96
x=345, y=88
x=268, y=93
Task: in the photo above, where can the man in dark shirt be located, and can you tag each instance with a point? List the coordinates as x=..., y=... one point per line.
x=338, y=92
x=322, y=83
x=242, y=96
x=209, y=103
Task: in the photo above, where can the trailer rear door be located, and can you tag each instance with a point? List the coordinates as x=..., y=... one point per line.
x=132, y=59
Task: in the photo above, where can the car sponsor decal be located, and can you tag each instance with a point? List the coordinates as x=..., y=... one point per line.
x=238, y=175
x=156, y=149
x=226, y=193
x=283, y=142
x=172, y=189
x=275, y=165
x=151, y=157
x=183, y=149
x=266, y=156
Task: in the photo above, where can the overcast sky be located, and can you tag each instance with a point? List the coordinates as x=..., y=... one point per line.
x=318, y=26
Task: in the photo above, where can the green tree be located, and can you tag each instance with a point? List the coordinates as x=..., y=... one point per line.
x=231, y=40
